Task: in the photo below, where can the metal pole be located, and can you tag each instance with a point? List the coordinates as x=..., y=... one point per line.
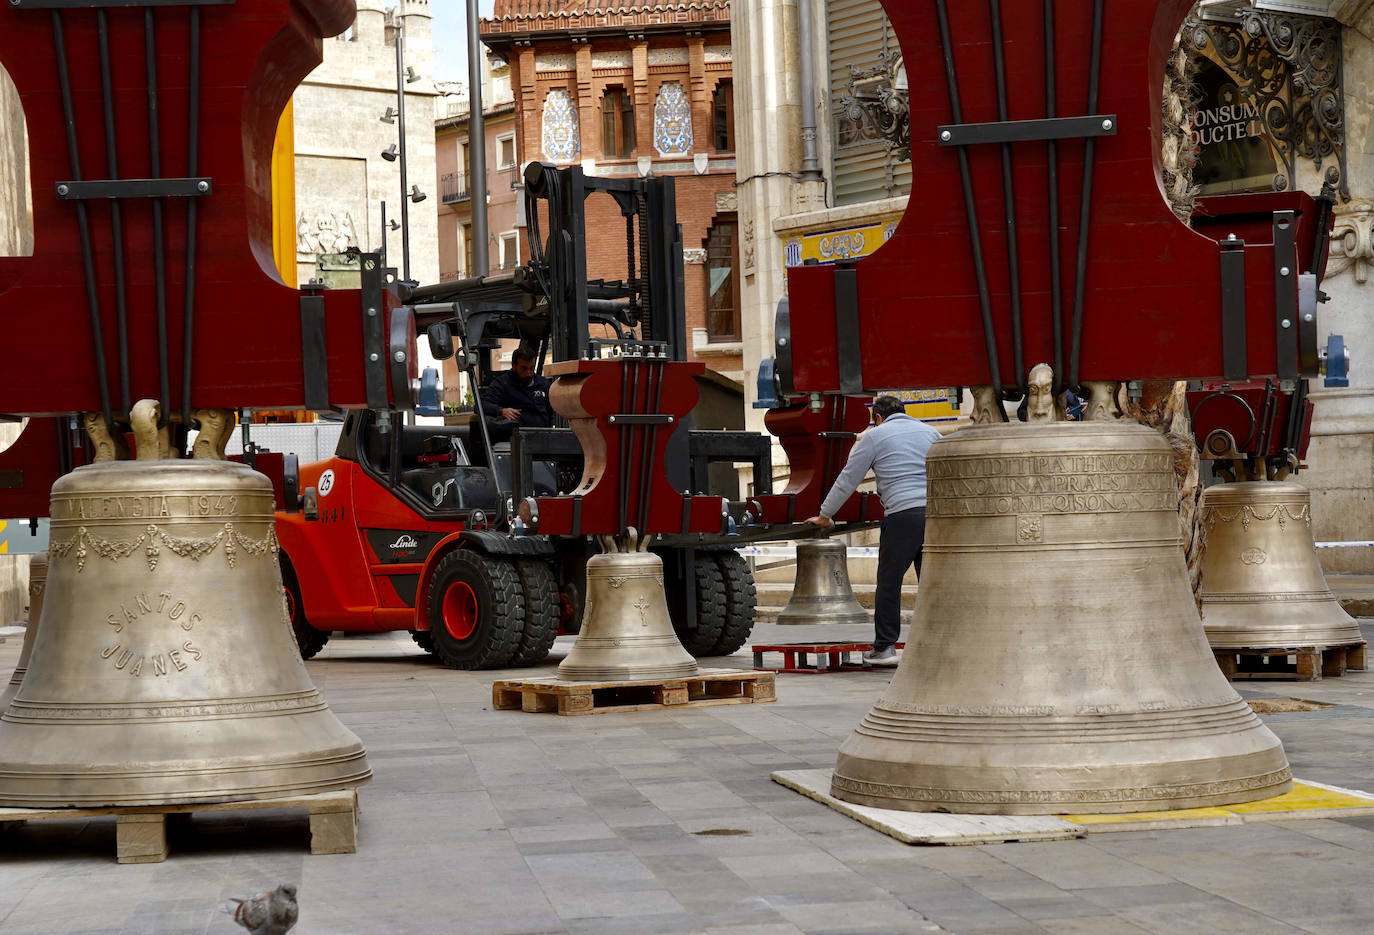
x=477, y=147
x=810, y=167
x=383, y=232
x=401, y=122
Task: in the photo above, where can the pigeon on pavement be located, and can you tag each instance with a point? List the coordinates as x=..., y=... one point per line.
x=271, y=913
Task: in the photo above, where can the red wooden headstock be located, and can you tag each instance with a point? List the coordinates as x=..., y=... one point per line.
x=1153, y=286
x=247, y=348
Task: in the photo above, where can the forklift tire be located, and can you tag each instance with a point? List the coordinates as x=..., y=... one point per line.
x=541, y=612
x=476, y=610
x=741, y=599
x=710, y=621
x=423, y=639
x=309, y=640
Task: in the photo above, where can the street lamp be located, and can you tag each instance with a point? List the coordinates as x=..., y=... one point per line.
x=394, y=153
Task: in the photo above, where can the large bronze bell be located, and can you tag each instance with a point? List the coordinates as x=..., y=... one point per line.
x=165, y=670
x=1262, y=586
x=822, y=592
x=1056, y=663
x=626, y=632
x=38, y=577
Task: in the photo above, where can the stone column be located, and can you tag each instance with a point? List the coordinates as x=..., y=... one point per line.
x=16, y=206
x=1341, y=456
x=768, y=148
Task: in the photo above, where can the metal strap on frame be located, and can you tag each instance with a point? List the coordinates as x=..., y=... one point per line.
x=1235, y=363
x=374, y=334
x=1285, y=294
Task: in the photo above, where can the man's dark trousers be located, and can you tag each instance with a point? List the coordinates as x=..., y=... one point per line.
x=899, y=547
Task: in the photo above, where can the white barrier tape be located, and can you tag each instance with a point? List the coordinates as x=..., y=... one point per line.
x=1345, y=545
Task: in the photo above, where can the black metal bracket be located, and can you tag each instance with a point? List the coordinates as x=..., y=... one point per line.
x=848, y=352
x=134, y=188
x=1023, y=131
x=639, y=418
x=709, y=447
x=1235, y=364
x=1286, y=294
x=314, y=353
x=374, y=332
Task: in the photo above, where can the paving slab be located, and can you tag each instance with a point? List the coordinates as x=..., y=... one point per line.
x=500, y=823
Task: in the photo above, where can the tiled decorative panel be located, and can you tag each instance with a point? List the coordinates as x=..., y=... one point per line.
x=561, y=139
x=672, y=120
x=668, y=56
x=620, y=59
x=719, y=53
x=555, y=61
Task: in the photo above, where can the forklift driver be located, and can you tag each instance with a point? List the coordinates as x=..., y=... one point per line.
x=518, y=396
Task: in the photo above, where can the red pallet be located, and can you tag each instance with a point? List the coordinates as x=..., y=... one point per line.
x=830, y=657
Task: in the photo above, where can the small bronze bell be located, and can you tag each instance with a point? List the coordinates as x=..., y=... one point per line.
x=1056, y=663
x=165, y=670
x=626, y=632
x=1262, y=586
x=38, y=576
x=822, y=593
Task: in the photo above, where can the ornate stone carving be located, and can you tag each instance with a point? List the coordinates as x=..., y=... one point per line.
x=1101, y=403
x=1040, y=403
x=326, y=232
x=1291, y=67
x=694, y=256
x=1352, y=242
x=987, y=410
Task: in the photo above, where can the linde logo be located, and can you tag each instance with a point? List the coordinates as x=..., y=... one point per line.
x=405, y=542
x=1224, y=124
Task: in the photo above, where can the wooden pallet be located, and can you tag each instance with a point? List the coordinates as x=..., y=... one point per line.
x=141, y=831
x=829, y=657
x=1293, y=663
x=707, y=687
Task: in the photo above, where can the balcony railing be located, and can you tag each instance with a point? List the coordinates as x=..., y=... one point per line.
x=455, y=186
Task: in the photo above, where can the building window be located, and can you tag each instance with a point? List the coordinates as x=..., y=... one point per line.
x=469, y=259
x=723, y=114
x=722, y=282
x=617, y=123
x=505, y=151
x=510, y=250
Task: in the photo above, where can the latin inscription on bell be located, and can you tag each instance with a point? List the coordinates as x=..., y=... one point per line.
x=139, y=647
x=1037, y=484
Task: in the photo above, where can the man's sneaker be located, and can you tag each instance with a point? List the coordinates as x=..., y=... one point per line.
x=885, y=657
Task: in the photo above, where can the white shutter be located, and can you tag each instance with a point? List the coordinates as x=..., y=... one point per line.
x=859, y=35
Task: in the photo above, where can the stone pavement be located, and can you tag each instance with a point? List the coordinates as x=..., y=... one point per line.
x=479, y=821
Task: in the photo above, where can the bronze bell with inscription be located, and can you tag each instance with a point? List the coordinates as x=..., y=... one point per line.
x=1056, y=663
x=1262, y=586
x=38, y=576
x=626, y=631
x=165, y=670
x=822, y=592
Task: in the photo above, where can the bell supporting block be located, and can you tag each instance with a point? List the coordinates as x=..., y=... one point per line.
x=823, y=593
x=1262, y=586
x=164, y=669
x=1056, y=662
x=626, y=632
x=38, y=577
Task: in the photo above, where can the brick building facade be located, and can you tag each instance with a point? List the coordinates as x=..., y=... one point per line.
x=624, y=88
